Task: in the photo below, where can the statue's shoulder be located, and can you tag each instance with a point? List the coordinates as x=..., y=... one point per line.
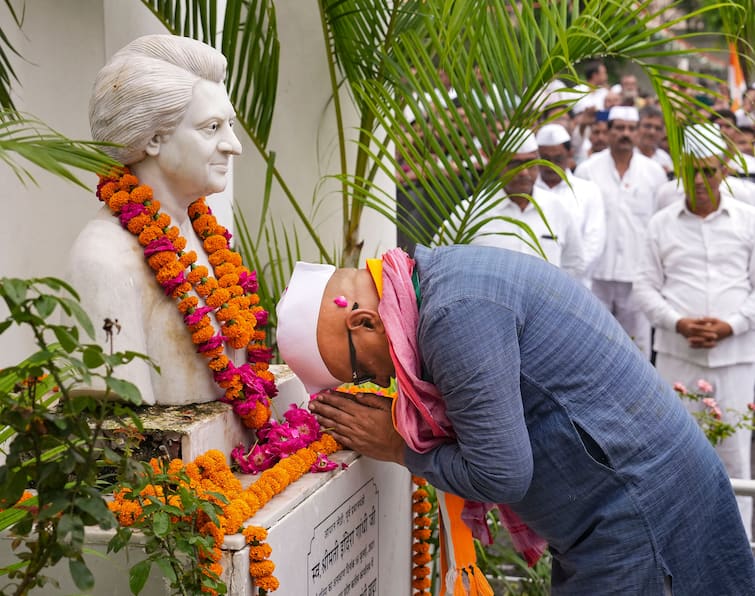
x=103, y=242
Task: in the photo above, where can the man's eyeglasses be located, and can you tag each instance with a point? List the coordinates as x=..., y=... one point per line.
x=356, y=377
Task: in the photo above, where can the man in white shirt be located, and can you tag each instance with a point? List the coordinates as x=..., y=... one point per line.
x=509, y=219
x=628, y=182
x=651, y=131
x=741, y=165
x=579, y=196
x=697, y=286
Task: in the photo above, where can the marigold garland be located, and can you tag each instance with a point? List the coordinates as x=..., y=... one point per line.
x=229, y=296
x=210, y=475
x=421, y=555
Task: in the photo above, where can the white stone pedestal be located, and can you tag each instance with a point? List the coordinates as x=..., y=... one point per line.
x=341, y=533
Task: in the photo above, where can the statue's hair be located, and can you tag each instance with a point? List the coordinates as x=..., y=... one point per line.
x=145, y=89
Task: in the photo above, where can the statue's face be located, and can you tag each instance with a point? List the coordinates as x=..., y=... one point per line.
x=195, y=157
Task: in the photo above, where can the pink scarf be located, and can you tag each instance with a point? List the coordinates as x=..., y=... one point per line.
x=419, y=412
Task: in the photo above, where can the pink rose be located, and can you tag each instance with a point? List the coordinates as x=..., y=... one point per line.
x=704, y=386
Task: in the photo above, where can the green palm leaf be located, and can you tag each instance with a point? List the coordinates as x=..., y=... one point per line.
x=498, y=58
x=23, y=139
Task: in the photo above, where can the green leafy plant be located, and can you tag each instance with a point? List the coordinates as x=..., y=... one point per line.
x=169, y=516
x=506, y=570
x=52, y=429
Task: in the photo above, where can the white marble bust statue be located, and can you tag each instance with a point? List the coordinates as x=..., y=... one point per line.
x=163, y=100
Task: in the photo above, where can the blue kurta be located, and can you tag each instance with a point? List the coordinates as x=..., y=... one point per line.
x=558, y=414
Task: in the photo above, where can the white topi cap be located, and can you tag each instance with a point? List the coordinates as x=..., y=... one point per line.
x=704, y=140
x=298, y=311
x=627, y=113
x=552, y=134
x=520, y=140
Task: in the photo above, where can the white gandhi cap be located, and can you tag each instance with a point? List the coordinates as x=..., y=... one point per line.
x=627, y=113
x=552, y=134
x=704, y=140
x=298, y=311
x=519, y=140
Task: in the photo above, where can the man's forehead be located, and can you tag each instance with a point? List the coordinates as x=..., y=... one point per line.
x=530, y=155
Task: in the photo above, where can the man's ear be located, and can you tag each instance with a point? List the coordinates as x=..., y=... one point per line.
x=365, y=317
x=153, y=146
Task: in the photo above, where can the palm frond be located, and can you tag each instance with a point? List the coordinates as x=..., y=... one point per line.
x=25, y=139
x=497, y=59
x=7, y=74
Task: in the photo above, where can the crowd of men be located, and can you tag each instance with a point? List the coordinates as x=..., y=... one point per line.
x=676, y=268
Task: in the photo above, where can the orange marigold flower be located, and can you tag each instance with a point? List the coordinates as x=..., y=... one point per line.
x=149, y=233
x=224, y=256
x=422, y=558
x=421, y=547
x=237, y=339
x=136, y=224
x=175, y=466
x=162, y=220
x=160, y=259
x=197, y=274
x=227, y=312
x=205, y=288
x=128, y=181
x=254, y=534
x=422, y=507
x=422, y=521
x=225, y=269
x=173, y=233
x=213, y=353
x=141, y=194
x=419, y=494
x=169, y=271
x=420, y=572
x=271, y=480
x=228, y=280
x=202, y=335
x=181, y=290
x=263, y=551
x=236, y=290
x=117, y=201
x=187, y=304
x=203, y=224
x=257, y=417
x=421, y=534
x=215, y=243
x=203, y=322
x=241, y=301
x=179, y=243
x=152, y=206
x=219, y=362
x=188, y=258
x=421, y=584
x=107, y=190
x=268, y=583
x=261, y=568
x=218, y=297
x=197, y=208
x=253, y=502
x=233, y=391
